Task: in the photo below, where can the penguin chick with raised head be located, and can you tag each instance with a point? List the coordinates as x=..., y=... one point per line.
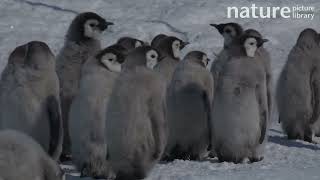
x=240, y=110
x=264, y=55
x=88, y=111
x=29, y=96
x=189, y=99
x=229, y=32
x=130, y=43
x=23, y=158
x=170, y=49
x=298, y=87
x=136, y=129
x=82, y=42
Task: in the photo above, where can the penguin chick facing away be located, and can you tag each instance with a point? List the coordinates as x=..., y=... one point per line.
x=298, y=87
x=82, y=42
x=170, y=49
x=22, y=158
x=130, y=43
x=136, y=129
x=239, y=114
x=88, y=110
x=189, y=99
x=229, y=32
x=29, y=96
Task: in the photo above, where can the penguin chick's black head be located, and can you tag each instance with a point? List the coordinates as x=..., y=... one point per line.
x=232, y=29
x=112, y=57
x=255, y=33
x=156, y=40
x=171, y=46
x=197, y=57
x=142, y=56
x=130, y=43
x=87, y=25
x=251, y=43
x=308, y=38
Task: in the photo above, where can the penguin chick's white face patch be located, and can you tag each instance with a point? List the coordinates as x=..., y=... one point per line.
x=138, y=44
x=110, y=61
x=176, y=48
x=91, y=29
x=152, y=59
x=205, y=60
x=250, y=44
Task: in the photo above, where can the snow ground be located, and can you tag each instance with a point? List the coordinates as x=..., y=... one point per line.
x=47, y=20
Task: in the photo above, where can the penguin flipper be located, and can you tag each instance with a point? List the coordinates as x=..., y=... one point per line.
x=55, y=122
x=263, y=113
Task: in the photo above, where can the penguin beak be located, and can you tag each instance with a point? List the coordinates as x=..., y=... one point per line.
x=265, y=40
x=219, y=27
x=104, y=26
x=184, y=44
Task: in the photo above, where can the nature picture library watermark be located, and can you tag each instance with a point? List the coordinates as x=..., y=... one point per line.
x=294, y=12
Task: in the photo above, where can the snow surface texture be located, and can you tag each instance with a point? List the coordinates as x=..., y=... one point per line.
x=25, y=20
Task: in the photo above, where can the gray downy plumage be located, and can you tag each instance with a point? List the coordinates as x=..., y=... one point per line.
x=298, y=87
x=82, y=42
x=229, y=32
x=169, y=48
x=240, y=110
x=136, y=128
x=189, y=99
x=23, y=158
x=29, y=96
x=88, y=110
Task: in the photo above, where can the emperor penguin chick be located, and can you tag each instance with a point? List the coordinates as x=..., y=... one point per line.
x=136, y=127
x=264, y=55
x=88, y=110
x=189, y=99
x=82, y=42
x=239, y=114
x=130, y=43
x=22, y=158
x=29, y=96
x=170, y=49
x=230, y=32
x=299, y=87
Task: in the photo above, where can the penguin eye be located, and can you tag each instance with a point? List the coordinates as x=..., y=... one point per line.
x=153, y=56
x=92, y=25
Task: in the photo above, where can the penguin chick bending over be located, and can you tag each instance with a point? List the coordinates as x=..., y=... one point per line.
x=130, y=43
x=88, y=111
x=82, y=42
x=136, y=129
x=189, y=99
x=170, y=49
x=29, y=96
x=298, y=87
x=239, y=114
x=24, y=159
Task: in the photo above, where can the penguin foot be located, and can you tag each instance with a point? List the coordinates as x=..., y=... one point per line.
x=65, y=157
x=256, y=159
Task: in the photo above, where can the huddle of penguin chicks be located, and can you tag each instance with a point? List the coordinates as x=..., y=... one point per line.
x=120, y=110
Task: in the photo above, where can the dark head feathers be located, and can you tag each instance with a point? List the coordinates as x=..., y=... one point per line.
x=118, y=50
x=221, y=28
x=76, y=29
x=129, y=43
